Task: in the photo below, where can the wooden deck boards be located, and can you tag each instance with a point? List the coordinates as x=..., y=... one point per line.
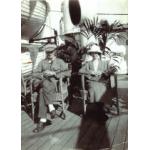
x=72, y=128
x=76, y=133
x=60, y=135
x=36, y=140
x=120, y=136
x=110, y=132
x=126, y=140
x=98, y=135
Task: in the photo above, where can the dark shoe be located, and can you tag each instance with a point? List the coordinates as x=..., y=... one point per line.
x=106, y=108
x=53, y=114
x=40, y=127
x=48, y=123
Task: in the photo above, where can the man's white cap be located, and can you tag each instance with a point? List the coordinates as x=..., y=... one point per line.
x=94, y=49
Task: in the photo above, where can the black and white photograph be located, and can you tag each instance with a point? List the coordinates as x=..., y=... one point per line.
x=74, y=74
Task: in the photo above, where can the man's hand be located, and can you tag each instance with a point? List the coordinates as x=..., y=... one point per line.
x=49, y=73
x=92, y=73
x=99, y=73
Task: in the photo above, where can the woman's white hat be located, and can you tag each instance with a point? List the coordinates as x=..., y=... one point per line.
x=94, y=49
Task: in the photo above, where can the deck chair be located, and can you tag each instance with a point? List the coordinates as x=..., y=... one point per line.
x=115, y=83
x=112, y=83
x=25, y=90
x=23, y=93
x=60, y=96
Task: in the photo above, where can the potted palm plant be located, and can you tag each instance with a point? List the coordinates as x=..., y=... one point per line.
x=108, y=36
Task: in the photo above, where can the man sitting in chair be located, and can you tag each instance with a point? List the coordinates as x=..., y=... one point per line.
x=96, y=72
x=48, y=72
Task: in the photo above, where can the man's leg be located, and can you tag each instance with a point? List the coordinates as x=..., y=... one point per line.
x=42, y=113
x=52, y=111
x=49, y=89
x=42, y=106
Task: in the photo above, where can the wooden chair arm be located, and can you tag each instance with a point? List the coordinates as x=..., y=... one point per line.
x=83, y=81
x=112, y=81
x=24, y=82
x=61, y=84
x=68, y=81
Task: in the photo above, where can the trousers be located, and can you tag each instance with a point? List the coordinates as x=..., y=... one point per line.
x=47, y=96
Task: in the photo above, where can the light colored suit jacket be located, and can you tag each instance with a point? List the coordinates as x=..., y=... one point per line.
x=88, y=70
x=58, y=66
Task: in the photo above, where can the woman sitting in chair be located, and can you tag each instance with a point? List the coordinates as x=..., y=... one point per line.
x=96, y=71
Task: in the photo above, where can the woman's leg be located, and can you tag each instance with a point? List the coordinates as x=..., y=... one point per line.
x=92, y=88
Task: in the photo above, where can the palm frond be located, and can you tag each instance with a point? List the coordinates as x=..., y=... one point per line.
x=89, y=25
x=84, y=33
x=103, y=31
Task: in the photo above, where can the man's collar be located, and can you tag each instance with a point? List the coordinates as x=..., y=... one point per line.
x=50, y=60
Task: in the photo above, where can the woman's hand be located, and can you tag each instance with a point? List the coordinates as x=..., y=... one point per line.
x=94, y=73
